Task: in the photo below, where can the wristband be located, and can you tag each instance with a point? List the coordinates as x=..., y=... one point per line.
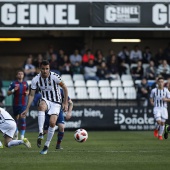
x=12, y=90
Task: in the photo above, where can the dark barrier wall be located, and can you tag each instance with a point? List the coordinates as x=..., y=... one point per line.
x=102, y=118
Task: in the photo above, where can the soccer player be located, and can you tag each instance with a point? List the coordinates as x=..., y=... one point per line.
x=60, y=121
x=158, y=98
x=8, y=128
x=20, y=90
x=48, y=83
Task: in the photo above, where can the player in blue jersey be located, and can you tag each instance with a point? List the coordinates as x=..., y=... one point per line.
x=19, y=88
x=60, y=121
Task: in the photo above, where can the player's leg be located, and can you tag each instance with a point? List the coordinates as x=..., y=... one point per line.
x=157, y=116
x=9, y=142
x=164, y=117
x=42, y=107
x=51, y=130
x=45, y=131
x=9, y=130
x=16, y=116
x=161, y=130
x=54, y=112
x=60, y=135
x=157, y=127
x=17, y=123
x=22, y=122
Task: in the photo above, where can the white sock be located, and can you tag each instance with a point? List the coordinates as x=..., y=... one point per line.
x=50, y=135
x=15, y=143
x=41, y=119
x=161, y=130
x=22, y=137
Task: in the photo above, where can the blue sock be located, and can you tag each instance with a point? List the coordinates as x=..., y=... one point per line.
x=23, y=126
x=60, y=137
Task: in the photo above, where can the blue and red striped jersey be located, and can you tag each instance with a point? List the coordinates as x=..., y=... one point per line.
x=19, y=96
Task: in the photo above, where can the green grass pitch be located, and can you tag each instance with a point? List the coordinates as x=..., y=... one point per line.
x=113, y=150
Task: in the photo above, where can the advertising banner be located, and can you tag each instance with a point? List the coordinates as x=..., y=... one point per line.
x=121, y=14
x=44, y=14
x=101, y=118
x=84, y=15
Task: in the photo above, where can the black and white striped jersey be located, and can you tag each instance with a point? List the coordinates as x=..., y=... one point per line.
x=48, y=87
x=4, y=115
x=157, y=95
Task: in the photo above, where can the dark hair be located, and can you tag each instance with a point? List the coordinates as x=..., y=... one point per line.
x=160, y=78
x=20, y=70
x=45, y=62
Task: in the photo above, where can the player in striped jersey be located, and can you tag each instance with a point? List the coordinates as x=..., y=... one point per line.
x=8, y=128
x=19, y=89
x=158, y=98
x=48, y=83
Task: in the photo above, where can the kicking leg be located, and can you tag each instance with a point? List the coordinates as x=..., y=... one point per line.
x=51, y=130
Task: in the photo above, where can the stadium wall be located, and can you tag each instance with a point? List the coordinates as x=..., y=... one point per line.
x=102, y=118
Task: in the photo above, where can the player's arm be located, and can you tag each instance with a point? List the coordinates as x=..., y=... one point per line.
x=12, y=89
x=151, y=101
x=167, y=98
x=10, y=92
x=70, y=108
x=30, y=99
x=65, y=102
x=27, y=90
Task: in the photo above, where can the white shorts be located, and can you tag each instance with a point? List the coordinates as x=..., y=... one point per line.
x=160, y=113
x=8, y=128
x=52, y=108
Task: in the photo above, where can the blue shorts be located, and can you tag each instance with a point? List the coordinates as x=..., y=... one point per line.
x=17, y=110
x=59, y=120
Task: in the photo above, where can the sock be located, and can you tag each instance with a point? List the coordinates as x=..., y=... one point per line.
x=50, y=134
x=161, y=130
x=23, y=127
x=15, y=143
x=157, y=126
x=41, y=120
x=60, y=137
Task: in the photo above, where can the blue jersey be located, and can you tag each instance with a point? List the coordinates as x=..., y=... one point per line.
x=19, y=96
x=60, y=116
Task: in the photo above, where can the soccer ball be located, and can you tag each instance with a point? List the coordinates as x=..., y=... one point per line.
x=80, y=135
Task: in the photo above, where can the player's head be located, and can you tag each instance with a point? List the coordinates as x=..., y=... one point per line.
x=45, y=68
x=160, y=82
x=20, y=74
